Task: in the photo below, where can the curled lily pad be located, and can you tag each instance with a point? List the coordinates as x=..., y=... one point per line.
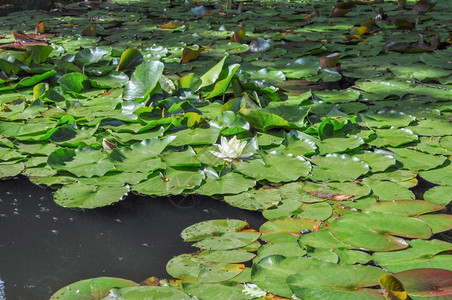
x=143, y=80
x=392, y=287
x=378, y=231
x=393, y=137
x=83, y=162
x=130, y=59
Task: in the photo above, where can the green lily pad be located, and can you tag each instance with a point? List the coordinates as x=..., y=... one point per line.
x=271, y=272
x=174, y=182
x=442, y=176
x=143, y=80
x=335, y=167
x=231, y=183
x=385, y=119
x=339, y=144
x=227, y=256
x=214, y=291
x=285, y=230
x=83, y=162
x=10, y=169
x=263, y=121
x=414, y=160
x=405, y=207
x=394, y=137
x=275, y=167
x=377, y=162
x=255, y=200
x=228, y=240
x=147, y=292
x=421, y=254
x=206, y=229
x=96, y=288
x=338, y=96
x=74, y=82
x=87, y=57
x=378, y=231
x=322, y=282
x=439, y=194
x=130, y=58
x=387, y=190
x=437, y=222
x=141, y=157
x=316, y=211
x=191, y=268
x=288, y=249
x=89, y=196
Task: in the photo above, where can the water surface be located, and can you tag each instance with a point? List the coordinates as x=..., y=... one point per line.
x=44, y=247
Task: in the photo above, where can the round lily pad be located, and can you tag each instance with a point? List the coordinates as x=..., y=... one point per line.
x=421, y=254
x=87, y=288
x=205, y=229
x=89, y=196
x=228, y=240
x=285, y=230
x=254, y=200
x=442, y=176
x=378, y=231
x=405, y=207
x=335, y=167
x=271, y=272
x=415, y=160
x=275, y=167
x=323, y=282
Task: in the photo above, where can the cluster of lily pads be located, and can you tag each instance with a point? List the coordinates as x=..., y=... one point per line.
x=291, y=109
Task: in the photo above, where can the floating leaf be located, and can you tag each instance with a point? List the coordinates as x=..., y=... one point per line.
x=189, y=54
x=89, y=196
x=427, y=282
x=96, y=288
x=405, y=207
x=322, y=281
x=144, y=292
x=335, y=167
x=205, y=229
x=129, y=59
x=378, y=231
x=421, y=254
x=275, y=167
x=392, y=287
x=143, y=80
x=414, y=160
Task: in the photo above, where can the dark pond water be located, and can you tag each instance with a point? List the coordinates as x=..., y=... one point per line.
x=44, y=247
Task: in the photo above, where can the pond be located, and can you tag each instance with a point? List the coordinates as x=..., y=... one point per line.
x=44, y=247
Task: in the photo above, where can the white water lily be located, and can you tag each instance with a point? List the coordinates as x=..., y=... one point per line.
x=231, y=150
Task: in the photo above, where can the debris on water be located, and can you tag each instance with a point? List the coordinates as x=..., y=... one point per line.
x=54, y=231
x=305, y=231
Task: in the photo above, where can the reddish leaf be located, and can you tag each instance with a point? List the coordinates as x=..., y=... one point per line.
x=40, y=28
x=172, y=25
x=90, y=30
x=427, y=282
x=238, y=36
x=342, y=9
x=189, y=54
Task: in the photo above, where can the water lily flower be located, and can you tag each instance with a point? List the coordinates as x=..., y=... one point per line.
x=231, y=150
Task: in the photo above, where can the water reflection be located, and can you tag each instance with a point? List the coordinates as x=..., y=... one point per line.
x=44, y=247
